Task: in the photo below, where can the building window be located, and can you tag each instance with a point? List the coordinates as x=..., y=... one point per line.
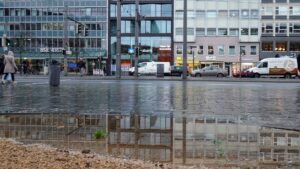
x=233, y=13
x=200, y=31
x=294, y=46
x=126, y=26
x=179, y=31
x=231, y=50
x=223, y=13
x=254, y=13
x=222, y=31
x=294, y=27
x=190, y=31
x=281, y=46
x=234, y=32
x=179, y=49
x=281, y=10
x=295, y=10
x=244, y=31
x=179, y=14
x=267, y=28
x=281, y=28
x=200, y=50
x=253, y=50
x=211, y=14
x=242, y=50
x=211, y=31
x=254, y=31
x=190, y=14
x=245, y=13
x=221, y=49
x=200, y=13
x=267, y=46
x=210, y=50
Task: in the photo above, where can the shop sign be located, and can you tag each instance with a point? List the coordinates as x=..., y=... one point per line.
x=210, y=58
x=54, y=50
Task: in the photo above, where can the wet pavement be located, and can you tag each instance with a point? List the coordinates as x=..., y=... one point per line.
x=276, y=104
x=192, y=122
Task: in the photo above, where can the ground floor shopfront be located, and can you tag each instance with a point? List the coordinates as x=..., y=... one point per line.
x=38, y=62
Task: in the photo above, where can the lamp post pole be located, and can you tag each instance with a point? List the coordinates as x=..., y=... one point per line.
x=137, y=29
x=118, y=56
x=184, y=62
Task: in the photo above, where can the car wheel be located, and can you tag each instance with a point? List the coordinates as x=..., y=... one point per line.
x=256, y=75
x=288, y=76
x=220, y=75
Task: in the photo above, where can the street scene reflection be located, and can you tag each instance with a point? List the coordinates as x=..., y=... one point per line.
x=213, y=140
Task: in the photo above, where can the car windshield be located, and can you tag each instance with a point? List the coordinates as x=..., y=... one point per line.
x=142, y=64
x=257, y=64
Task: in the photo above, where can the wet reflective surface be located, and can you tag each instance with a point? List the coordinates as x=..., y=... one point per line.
x=215, y=123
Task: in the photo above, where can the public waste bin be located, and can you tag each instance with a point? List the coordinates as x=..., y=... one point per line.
x=54, y=74
x=160, y=70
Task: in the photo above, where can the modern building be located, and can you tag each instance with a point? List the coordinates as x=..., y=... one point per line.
x=36, y=30
x=156, y=32
x=220, y=33
x=280, y=28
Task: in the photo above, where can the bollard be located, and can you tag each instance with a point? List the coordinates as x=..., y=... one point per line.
x=54, y=74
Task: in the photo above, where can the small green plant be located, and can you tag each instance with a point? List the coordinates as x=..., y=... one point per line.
x=99, y=134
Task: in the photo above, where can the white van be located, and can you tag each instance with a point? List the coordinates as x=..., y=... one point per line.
x=150, y=68
x=276, y=67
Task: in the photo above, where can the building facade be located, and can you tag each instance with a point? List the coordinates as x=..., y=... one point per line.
x=280, y=28
x=36, y=30
x=156, y=32
x=220, y=33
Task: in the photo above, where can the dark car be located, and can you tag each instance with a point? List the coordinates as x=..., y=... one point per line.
x=244, y=73
x=177, y=70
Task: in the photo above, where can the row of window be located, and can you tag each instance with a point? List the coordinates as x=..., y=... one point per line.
x=210, y=50
x=57, y=42
x=147, y=26
x=52, y=11
x=146, y=10
x=49, y=26
x=280, y=10
x=280, y=46
x=270, y=28
x=243, y=13
x=218, y=31
x=30, y=3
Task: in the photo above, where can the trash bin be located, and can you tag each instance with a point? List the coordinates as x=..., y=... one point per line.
x=54, y=74
x=160, y=70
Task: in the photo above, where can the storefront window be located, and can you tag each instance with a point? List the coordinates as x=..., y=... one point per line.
x=179, y=49
x=281, y=46
x=267, y=46
x=294, y=46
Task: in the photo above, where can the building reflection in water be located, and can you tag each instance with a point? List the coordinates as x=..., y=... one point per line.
x=213, y=140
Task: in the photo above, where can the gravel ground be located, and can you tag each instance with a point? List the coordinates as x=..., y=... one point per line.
x=15, y=155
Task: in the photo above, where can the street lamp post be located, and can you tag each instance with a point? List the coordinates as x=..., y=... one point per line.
x=137, y=29
x=118, y=56
x=184, y=62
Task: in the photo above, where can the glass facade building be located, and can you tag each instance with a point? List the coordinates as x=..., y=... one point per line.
x=36, y=29
x=156, y=32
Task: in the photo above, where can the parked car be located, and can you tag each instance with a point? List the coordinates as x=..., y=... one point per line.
x=245, y=73
x=177, y=70
x=210, y=71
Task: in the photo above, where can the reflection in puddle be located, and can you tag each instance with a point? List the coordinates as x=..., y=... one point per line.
x=213, y=140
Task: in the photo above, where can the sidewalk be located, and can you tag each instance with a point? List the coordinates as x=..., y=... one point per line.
x=165, y=78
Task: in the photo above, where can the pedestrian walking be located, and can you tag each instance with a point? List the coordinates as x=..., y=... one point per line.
x=81, y=66
x=9, y=67
x=2, y=68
